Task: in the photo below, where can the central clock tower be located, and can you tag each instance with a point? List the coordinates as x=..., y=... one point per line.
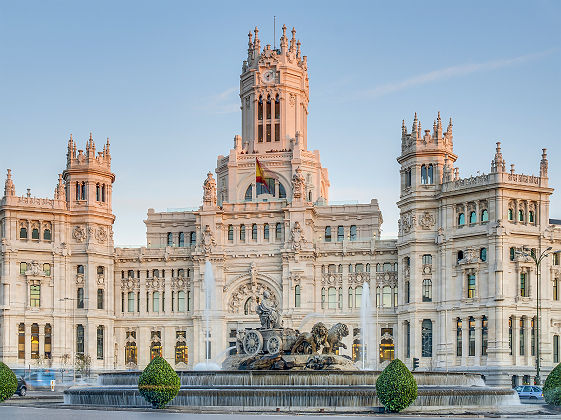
x=274, y=95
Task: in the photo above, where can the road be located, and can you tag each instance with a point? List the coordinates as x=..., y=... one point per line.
x=17, y=413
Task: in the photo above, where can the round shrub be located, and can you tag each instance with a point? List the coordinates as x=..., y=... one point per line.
x=8, y=382
x=396, y=387
x=553, y=396
x=158, y=383
x=552, y=383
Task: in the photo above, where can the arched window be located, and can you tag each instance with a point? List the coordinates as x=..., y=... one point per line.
x=21, y=341
x=424, y=175
x=297, y=296
x=359, y=268
x=458, y=337
x=510, y=214
x=512, y=253
x=471, y=286
x=483, y=254
x=155, y=349
x=485, y=216
x=48, y=340
x=247, y=306
x=242, y=233
x=34, y=341
x=484, y=335
x=407, y=292
x=97, y=193
x=358, y=297
x=328, y=234
x=254, y=231
x=368, y=268
x=353, y=236
x=461, y=219
x=520, y=215
x=77, y=190
x=181, y=239
x=340, y=233
x=266, y=188
x=408, y=177
x=130, y=353
x=170, y=239
x=427, y=290
x=80, y=339
x=156, y=302
x=181, y=351
x=277, y=107
x=323, y=298
x=83, y=191
x=531, y=216
x=230, y=232
x=47, y=235
x=282, y=191
x=471, y=326
x=426, y=338
x=387, y=297
x=156, y=273
x=430, y=174
x=472, y=218
x=130, y=301
x=103, y=193
x=35, y=233
x=332, y=298
x=278, y=231
x=350, y=298
x=266, y=231
x=249, y=193
x=378, y=268
x=331, y=268
x=23, y=233
x=460, y=256
x=388, y=267
x=268, y=108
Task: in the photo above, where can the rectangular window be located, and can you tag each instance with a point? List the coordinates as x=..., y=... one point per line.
x=100, y=343
x=130, y=302
x=122, y=301
x=484, y=335
x=156, y=302
x=80, y=298
x=268, y=133
x=277, y=132
x=21, y=341
x=556, y=289
x=459, y=337
x=408, y=340
x=22, y=268
x=472, y=337
x=523, y=285
x=35, y=296
x=260, y=133
x=99, y=298
x=48, y=340
x=533, y=337
x=79, y=339
x=471, y=286
x=522, y=338
x=427, y=259
x=47, y=269
x=407, y=292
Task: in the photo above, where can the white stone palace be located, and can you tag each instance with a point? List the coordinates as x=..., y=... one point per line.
x=455, y=290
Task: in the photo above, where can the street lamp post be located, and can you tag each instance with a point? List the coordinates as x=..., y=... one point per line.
x=525, y=252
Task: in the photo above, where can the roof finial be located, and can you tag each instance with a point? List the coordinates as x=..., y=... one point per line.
x=293, y=40
x=543, y=164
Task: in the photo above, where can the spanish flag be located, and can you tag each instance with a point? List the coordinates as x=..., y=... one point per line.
x=260, y=177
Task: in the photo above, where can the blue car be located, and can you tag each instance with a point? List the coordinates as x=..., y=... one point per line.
x=530, y=392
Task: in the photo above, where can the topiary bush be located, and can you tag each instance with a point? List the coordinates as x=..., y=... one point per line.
x=8, y=382
x=552, y=383
x=396, y=387
x=158, y=383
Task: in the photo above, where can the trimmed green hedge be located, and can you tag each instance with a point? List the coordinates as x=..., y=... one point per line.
x=551, y=391
x=158, y=383
x=396, y=387
x=8, y=382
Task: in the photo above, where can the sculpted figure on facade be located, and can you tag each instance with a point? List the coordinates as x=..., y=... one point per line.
x=298, y=185
x=297, y=237
x=209, y=187
x=208, y=242
x=269, y=315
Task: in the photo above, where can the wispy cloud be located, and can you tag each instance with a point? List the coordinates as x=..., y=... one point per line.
x=451, y=72
x=224, y=102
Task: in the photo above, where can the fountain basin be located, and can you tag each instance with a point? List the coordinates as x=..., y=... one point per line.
x=298, y=398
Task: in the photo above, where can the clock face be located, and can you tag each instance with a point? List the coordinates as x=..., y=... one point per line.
x=268, y=76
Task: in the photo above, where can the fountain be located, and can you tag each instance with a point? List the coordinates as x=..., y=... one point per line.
x=208, y=312
x=278, y=368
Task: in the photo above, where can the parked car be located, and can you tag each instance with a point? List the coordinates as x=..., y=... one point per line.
x=530, y=392
x=22, y=387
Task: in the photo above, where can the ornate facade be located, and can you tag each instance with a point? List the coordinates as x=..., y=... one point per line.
x=453, y=290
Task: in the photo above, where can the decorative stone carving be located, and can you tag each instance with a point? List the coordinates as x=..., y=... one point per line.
x=208, y=242
x=292, y=99
x=471, y=256
x=101, y=234
x=253, y=274
x=209, y=187
x=79, y=233
x=269, y=315
x=297, y=237
x=426, y=221
x=34, y=270
x=407, y=223
x=245, y=293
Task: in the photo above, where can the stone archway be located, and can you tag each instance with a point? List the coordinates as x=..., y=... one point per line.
x=245, y=298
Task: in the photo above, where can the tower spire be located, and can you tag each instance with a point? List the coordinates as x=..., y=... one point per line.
x=9, y=188
x=293, y=40
x=257, y=43
x=498, y=163
x=283, y=40
x=543, y=164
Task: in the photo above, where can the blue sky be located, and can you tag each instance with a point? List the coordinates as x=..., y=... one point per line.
x=161, y=80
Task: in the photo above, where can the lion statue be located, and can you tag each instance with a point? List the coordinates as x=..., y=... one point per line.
x=310, y=342
x=334, y=336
